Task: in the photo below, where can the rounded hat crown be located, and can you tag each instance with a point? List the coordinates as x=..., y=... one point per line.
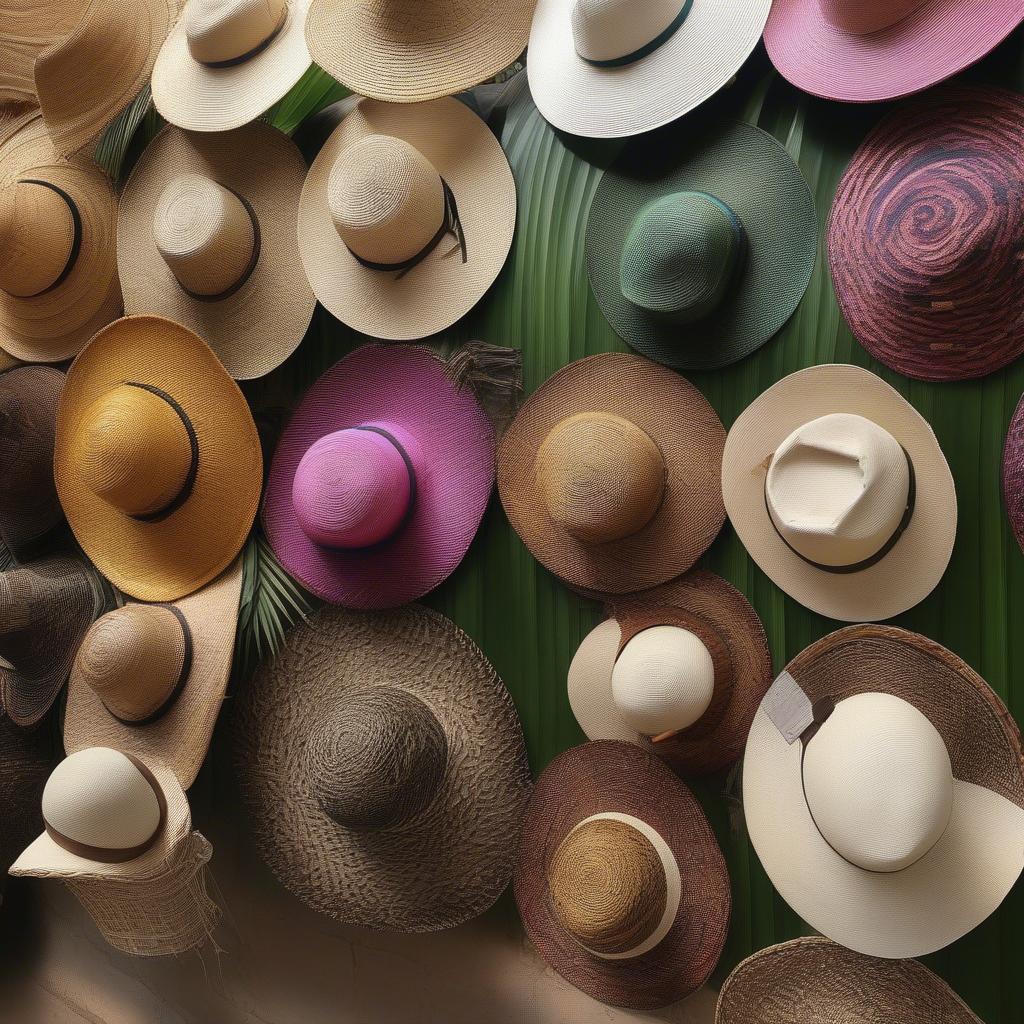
x=606, y=30
x=37, y=238
x=861, y=17
x=219, y=31
x=878, y=782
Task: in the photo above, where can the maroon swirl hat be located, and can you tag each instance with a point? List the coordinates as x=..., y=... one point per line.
x=924, y=239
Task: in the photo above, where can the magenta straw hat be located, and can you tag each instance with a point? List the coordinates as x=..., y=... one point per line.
x=380, y=479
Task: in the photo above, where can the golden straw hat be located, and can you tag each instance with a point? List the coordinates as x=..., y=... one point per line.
x=58, y=262
x=157, y=459
x=406, y=217
x=206, y=235
x=149, y=679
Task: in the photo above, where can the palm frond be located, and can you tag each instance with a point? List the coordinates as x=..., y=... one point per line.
x=113, y=146
x=313, y=91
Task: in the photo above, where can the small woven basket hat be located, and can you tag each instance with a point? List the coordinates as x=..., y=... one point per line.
x=679, y=669
x=58, y=264
x=406, y=216
x=838, y=489
x=206, y=236
x=883, y=789
x=699, y=250
x=620, y=883
x=609, y=474
x=157, y=459
x=387, y=788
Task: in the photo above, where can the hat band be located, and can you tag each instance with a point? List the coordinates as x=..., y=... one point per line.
x=76, y=239
x=411, y=470
x=255, y=51
x=648, y=48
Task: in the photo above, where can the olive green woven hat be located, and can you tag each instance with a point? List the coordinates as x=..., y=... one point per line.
x=699, y=250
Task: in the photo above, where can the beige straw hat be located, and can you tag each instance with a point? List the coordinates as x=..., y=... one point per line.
x=883, y=789
x=149, y=679
x=839, y=491
x=206, y=236
x=406, y=217
x=58, y=265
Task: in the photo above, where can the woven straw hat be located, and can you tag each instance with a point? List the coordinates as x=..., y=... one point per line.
x=609, y=68
x=699, y=250
x=149, y=680
x=206, y=236
x=157, y=459
x=226, y=61
x=620, y=882
x=609, y=473
x=923, y=239
x=814, y=979
x=58, y=266
x=406, y=216
x=839, y=491
x=680, y=669
x=388, y=789
x=884, y=792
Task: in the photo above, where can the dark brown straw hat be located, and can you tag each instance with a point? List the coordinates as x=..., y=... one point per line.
x=1013, y=473
x=25, y=761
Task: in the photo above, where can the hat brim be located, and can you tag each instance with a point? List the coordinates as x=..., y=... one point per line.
x=441, y=289
x=975, y=862
x=256, y=328
x=914, y=566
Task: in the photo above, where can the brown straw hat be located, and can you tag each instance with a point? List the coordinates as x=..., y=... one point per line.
x=157, y=460
x=25, y=761
x=406, y=217
x=149, y=679
x=206, y=235
x=813, y=979
x=58, y=264
x=680, y=669
x=384, y=767
x=620, y=882
x=610, y=473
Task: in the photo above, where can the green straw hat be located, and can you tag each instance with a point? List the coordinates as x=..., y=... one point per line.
x=699, y=251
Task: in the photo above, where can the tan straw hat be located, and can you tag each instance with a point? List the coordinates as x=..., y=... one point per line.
x=206, y=235
x=58, y=265
x=149, y=679
x=406, y=217
x=839, y=491
x=884, y=792
x=226, y=61
x=610, y=473
x=157, y=460
x=680, y=669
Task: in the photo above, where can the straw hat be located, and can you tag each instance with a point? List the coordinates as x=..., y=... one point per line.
x=814, y=979
x=7, y=362
x=838, y=489
x=896, y=824
x=58, y=266
x=406, y=216
x=610, y=474
x=620, y=882
x=25, y=761
x=206, y=236
x=157, y=459
x=383, y=763
x=226, y=61
x=149, y=680
x=1013, y=473
x=407, y=51
x=609, y=68
x=380, y=479
x=867, y=50
x=680, y=669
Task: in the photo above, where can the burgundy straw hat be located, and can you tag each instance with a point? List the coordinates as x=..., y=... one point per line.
x=380, y=479
x=924, y=235
x=1013, y=473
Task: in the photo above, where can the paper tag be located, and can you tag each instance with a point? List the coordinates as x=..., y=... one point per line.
x=788, y=707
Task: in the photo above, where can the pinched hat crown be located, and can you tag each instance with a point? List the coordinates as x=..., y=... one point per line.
x=612, y=32
x=225, y=32
x=861, y=17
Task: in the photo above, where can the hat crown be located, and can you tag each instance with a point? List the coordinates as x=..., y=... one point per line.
x=226, y=30
x=604, y=30
x=837, y=489
x=861, y=17
x=601, y=476
x=26, y=446
x=37, y=236
x=878, y=782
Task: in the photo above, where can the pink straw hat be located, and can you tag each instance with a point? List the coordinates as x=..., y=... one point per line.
x=380, y=479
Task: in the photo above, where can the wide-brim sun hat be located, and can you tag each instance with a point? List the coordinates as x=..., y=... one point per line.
x=616, y=68
x=610, y=474
x=699, y=250
x=883, y=790
x=383, y=764
x=157, y=459
x=206, y=236
x=406, y=217
x=839, y=491
x=923, y=235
